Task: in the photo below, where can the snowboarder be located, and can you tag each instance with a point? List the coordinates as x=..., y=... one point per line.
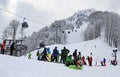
x=64, y=54
x=55, y=54
x=78, y=62
x=69, y=61
x=48, y=53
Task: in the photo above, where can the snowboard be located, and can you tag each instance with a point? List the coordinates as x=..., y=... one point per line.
x=75, y=67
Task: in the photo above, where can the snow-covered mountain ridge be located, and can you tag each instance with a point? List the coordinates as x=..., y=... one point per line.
x=79, y=17
x=56, y=33
x=82, y=26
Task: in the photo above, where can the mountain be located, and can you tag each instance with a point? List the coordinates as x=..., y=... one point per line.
x=56, y=32
x=82, y=26
x=80, y=17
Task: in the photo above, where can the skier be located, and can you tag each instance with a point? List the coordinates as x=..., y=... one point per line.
x=114, y=62
x=48, y=53
x=75, y=54
x=83, y=60
x=38, y=55
x=79, y=55
x=64, y=54
x=44, y=55
x=104, y=61
x=55, y=54
x=3, y=46
x=90, y=61
x=29, y=55
x=88, y=58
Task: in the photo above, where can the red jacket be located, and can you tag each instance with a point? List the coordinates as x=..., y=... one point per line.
x=3, y=46
x=91, y=58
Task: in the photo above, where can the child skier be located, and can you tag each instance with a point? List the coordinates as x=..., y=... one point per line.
x=29, y=55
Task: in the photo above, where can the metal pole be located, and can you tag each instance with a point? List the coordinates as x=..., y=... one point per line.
x=56, y=36
x=115, y=52
x=22, y=31
x=116, y=58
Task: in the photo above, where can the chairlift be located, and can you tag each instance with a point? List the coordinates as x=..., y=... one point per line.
x=68, y=32
x=24, y=25
x=75, y=30
x=63, y=32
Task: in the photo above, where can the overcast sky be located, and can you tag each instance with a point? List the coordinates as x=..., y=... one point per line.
x=47, y=11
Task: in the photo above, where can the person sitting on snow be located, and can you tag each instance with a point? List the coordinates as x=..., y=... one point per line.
x=69, y=60
x=78, y=62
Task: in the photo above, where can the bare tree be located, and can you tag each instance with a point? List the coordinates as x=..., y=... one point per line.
x=6, y=33
x=14, y=26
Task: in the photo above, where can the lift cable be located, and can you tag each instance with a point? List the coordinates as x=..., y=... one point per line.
x=21, y=16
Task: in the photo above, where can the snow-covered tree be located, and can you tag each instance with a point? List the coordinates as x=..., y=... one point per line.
x=109, y=21
x=14, y=24
x=6, y=33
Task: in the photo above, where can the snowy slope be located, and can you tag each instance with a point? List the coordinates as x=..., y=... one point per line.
x=80, y=22
x=22, y=67
x=77, y=34
x=98, y=47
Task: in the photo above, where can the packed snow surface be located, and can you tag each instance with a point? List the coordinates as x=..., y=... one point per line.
x=22, y=67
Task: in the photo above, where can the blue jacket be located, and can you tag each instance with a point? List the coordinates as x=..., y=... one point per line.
x=55, y=52
x=104, y=60
x=48, y=50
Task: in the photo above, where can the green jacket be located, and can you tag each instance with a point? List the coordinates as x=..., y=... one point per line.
x=64, y=52
x=29, y=55
x=68, y=61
